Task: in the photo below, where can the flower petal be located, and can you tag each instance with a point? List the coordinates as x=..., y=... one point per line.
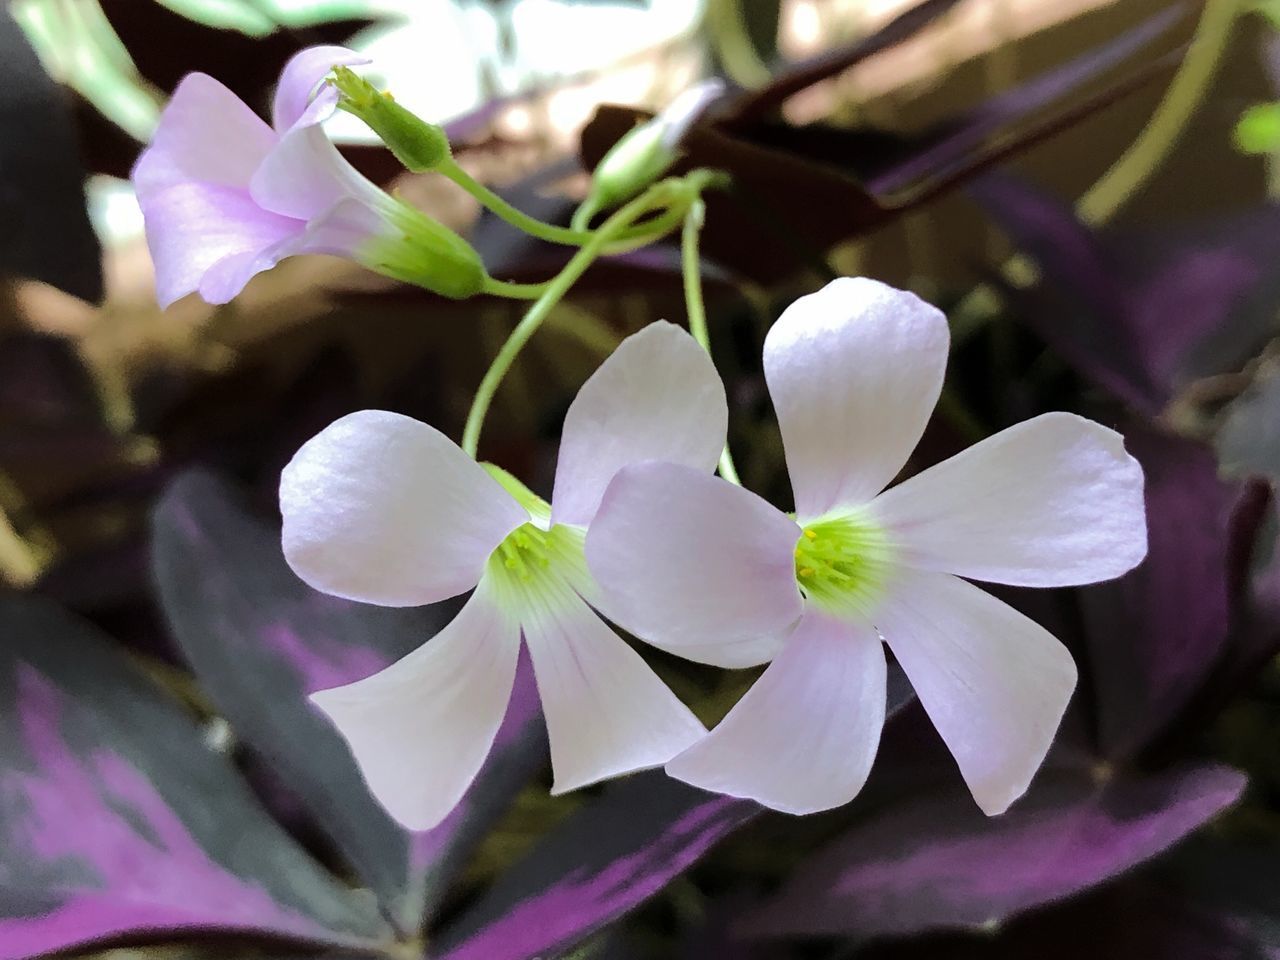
x=803, y=737
x=206, y=134
x=695, y=565
x=382, y=508
x=607, y=712
x=421, y=728
x=304, y=175
x=658, y=397
x=192, y=227
x=690, y=104
x=300, y=77
x=994, y=683
x=1054, y=501
x=855, y=371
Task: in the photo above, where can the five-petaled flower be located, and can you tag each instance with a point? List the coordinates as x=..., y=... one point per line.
x=384, y=509
x=225, y=196
x=712, y=572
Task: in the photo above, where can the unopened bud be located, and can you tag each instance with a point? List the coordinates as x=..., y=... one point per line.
x=419, y=145
x=649, y=151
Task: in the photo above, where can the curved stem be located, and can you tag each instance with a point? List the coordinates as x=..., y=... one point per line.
x=517, y=218
x=514, y=291
x=1185, y=93
x=695, y=306
x=537, y=313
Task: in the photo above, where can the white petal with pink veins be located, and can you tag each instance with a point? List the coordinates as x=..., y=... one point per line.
x=607, y=712
x=657, y=397
x=804, y=736
x=694, y=564
x=1054, y=501
x=854, y=371
x=421, y=728
x=994, y=683
x=381, y=508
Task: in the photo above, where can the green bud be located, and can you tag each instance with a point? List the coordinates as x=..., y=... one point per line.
x=419, y=145
x=1258, y=129
x=418, y=250
x=649, y=150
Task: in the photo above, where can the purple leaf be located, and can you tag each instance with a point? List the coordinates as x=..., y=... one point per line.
x=116, y=818
x=605, y=860
x=260, y=640
x=800, y=190
x=1156, y=634
x=611, y=856
x=1249, y=440
x=937, y=863
x=48, y=235
x=1141, y=314
x=795, y=77
x=1134, y=919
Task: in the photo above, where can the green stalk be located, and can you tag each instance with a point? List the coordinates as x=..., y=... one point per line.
x=555, y=290
x=694, y=305
x=1186, y=92
x=513, y=216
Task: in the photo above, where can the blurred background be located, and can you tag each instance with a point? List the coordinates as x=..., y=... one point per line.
x=1087, y=188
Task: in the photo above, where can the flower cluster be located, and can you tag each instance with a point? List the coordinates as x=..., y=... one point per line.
x=383, y=509
x=386, y=510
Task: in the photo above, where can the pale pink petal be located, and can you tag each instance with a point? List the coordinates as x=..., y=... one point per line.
x=422, y=727
x=658, y=397
x=192, y=227
x=1050, y=502
x=301, y=76
x=854, y=370
x=607, y=712
x=304, y=175
x=695, y=565
x=682, y=112
x=381, y=508
x=994, y=683
x=206, y=134
x=803, y=737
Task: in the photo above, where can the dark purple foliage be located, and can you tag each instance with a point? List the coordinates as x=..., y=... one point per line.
x=611, y=856
x=936, y=862
x=1141, y=314
x=261, y=640
x=116, y=817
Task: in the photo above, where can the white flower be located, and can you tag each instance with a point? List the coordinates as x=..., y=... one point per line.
x=387, y=510
x=712, y=572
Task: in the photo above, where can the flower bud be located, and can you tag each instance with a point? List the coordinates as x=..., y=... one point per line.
x=645, y=153
x=419, y=145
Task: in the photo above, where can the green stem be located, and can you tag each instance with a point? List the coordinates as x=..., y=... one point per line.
x=695, y=306
x=513, y=216
x=514, y=291
x=538, y=311
x=1185, y=93
x=1135, y=166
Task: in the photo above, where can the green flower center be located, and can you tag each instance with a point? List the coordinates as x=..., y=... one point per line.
x=842, y=564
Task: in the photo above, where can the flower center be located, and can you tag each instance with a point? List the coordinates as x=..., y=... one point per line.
x=532, y=564
x=842, y=563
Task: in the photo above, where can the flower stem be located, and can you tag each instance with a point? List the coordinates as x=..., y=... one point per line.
x=694, y=305
x=514, y=291
x=1185, y=93
x=555, y=290
x=517, y=218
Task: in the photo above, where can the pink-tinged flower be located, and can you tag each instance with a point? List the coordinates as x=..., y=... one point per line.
x=384, y=509
x=225, y=196
x=712, y=572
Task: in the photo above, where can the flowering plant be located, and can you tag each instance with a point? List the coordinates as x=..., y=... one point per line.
x=848, y=614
